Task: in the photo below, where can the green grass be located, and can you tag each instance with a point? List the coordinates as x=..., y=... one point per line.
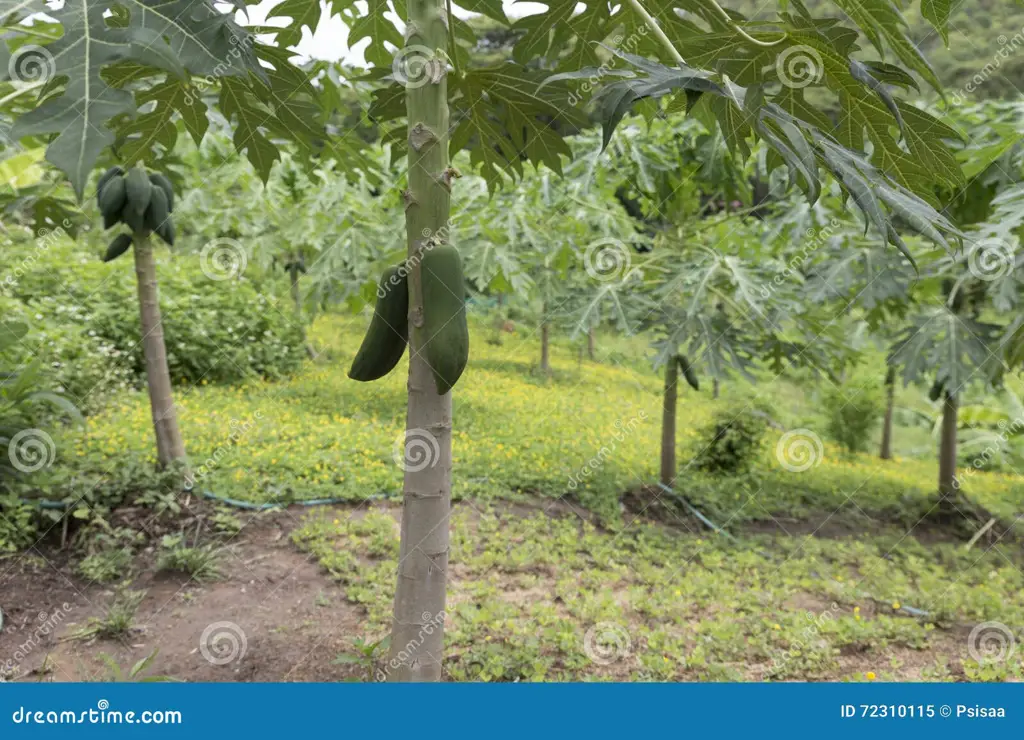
x=320, y=435
x=538, y=597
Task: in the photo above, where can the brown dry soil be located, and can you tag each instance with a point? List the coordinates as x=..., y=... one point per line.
x=295, y=617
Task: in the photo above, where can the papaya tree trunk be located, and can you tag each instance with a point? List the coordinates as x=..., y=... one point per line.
x=417, y=632
x=890, y=396
x=590, y=344
x=668, y=423
x=947, y=447
x=169, y=444
x=545, y=365
x=714, y=388
x=296, y=289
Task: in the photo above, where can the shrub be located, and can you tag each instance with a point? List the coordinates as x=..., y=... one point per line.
x=217, y=331
x=731, y=441
x=852, y=411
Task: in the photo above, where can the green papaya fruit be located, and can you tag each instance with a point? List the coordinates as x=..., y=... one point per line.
x=385, y=340
x=106, y=177
x=445, y=331
x=157, y=212
x=138, y=190
x=111, y=201
x=936, y=390
x=688, y=373
x=118, y=247
x=136, y=221
x=166, y=231
x=164, y=184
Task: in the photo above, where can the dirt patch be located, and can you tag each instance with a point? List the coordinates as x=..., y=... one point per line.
x=274, y=616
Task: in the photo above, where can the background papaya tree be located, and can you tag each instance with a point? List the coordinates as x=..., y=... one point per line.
x=706, y=308
x=114, y=58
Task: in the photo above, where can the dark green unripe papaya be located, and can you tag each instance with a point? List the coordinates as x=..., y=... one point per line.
x=133, y=219
x=118, y=247
x=138, y=190
x=936, y=390
x=688, y=373
x=106, y=177
x=111, y=199
x=166, y=231
x=385, y=340
x=157, y=212
x=445, y=331
x=164, y=184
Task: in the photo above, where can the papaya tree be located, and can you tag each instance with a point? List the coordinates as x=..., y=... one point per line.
x=705, y=306
x=143, y=202
x=115, y=58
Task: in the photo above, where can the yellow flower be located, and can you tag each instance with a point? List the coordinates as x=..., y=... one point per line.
x=856, y=610
x=896, y=605
x=776, y=626
x=870, y=675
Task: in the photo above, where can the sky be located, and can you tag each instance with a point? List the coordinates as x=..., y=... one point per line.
x=330, y=39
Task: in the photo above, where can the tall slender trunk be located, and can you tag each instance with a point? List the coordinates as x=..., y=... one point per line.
x=890, y=396
x=417, y=632
x=296, y=289
x=947, y=447
x=590, y=344
x=668, y=422
x=169, y=444
x=715, y=390
x=545, y=351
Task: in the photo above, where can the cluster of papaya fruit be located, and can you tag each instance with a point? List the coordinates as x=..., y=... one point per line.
x=445, y=331
x=139, y=200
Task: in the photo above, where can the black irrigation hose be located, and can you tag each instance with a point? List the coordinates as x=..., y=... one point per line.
x=911, y=610
x=249, y=506
x=45, y=503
